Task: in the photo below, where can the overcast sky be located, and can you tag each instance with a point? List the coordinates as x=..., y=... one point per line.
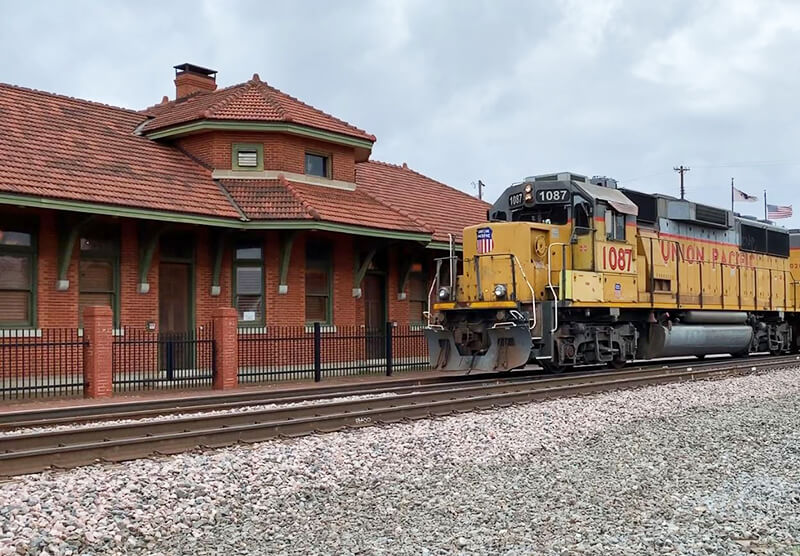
x=468, y=90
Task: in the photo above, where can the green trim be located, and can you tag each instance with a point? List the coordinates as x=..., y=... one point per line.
x=217, y=255
x=279, y=127
x=443, y=245
x=361, y=269
x=68, y=234
x=405, y=272
x=252, y=263
x=327, y=157
x=127, y=212
x=329, y=268
x=32, y=254
x=181, y=218
x=334, y=227
x=148, y=241
x=287, y=242
x=258, y=147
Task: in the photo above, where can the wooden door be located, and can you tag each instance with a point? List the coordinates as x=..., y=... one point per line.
x=375, y=314
x=174, y=297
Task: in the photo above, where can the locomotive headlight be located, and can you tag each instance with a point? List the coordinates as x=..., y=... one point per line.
x=444, y=293
x=528, y=188
x=500, y=290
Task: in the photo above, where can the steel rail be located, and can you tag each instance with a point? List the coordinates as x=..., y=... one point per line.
x=26, y=418
x=26, y=453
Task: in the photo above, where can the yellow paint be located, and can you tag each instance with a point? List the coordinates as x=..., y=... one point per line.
x=584, y=286
x=644, y=270
x=477, y=305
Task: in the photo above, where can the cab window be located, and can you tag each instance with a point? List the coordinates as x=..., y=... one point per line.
x=582, y=212
x=615, y=225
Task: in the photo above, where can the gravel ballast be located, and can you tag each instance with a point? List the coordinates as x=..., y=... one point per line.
x=702, y=468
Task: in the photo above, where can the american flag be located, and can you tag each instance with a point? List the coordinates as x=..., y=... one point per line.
x=485, y=241
x=779, y=211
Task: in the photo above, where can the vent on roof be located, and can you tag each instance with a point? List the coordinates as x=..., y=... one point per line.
x=247, y=159
x=711, y=215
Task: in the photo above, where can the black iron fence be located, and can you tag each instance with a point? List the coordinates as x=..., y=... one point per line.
x=50, y=362
x=317, y=351
x=143, y=359
x=40, y=363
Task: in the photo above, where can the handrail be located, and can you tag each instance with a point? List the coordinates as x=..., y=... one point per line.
x=430, y=291
x=514, y=259
x=533, y=293
x=550, y=282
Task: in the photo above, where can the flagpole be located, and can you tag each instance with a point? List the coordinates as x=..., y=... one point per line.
x=765, y=204
x=731, y=194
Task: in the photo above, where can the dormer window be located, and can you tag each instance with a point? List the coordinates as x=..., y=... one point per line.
x=247, y=156
x=317, y=165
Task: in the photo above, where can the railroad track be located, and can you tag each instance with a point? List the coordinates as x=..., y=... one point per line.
x=32, y=452
x=136, y=409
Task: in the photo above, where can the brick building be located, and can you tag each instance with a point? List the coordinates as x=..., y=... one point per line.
x=242, y=196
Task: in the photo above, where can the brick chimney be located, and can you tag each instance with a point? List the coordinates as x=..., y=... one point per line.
x=192, y=79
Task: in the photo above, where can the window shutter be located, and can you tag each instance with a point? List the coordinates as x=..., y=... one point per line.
x=247, y=159
x=15, y=272
x=316, y=309
x=316, y=282
x=248, y=280
x=14, y=306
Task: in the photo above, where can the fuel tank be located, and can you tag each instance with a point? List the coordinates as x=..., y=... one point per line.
x=694, y=339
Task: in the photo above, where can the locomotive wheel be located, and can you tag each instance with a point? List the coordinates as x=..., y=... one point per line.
x=616, y=363
x=552, y=368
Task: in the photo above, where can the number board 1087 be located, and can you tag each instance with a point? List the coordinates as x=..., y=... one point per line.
x=552, y=195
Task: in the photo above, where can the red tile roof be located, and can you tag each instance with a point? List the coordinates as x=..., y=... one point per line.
x=250, y=101
x=283, y=200
x=439, y=207
x=64, y=148
x=58, y=147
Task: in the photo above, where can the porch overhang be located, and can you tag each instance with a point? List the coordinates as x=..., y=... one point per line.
x=202, y=220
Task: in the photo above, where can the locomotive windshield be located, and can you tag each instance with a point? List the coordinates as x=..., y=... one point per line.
x=546, y=214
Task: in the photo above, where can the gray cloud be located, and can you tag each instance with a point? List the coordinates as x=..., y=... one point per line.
x=469, y=90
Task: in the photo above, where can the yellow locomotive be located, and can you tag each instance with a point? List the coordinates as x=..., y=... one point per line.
x=570, y=270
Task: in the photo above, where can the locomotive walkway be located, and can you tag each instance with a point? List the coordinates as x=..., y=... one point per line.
x=35, y=451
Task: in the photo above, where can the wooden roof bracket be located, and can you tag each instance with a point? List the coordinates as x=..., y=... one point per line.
x=69, y=229
x=405, y=272
x=218, y=243
x=287, y=242
x=148, y=240
x=361, y=271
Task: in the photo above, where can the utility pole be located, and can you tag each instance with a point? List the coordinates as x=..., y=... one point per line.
x=480, y=189
x=681, y=170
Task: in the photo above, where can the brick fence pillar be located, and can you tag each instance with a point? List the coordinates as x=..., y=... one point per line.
x=98, y=329
x=226, y=348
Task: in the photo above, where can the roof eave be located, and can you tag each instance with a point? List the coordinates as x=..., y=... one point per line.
x=204, y=220
x=199, y=126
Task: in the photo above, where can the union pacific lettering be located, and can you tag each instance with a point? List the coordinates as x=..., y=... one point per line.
x=671, y=251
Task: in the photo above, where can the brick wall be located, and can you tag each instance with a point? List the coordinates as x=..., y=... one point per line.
x=281, y=151
x=60, y=308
